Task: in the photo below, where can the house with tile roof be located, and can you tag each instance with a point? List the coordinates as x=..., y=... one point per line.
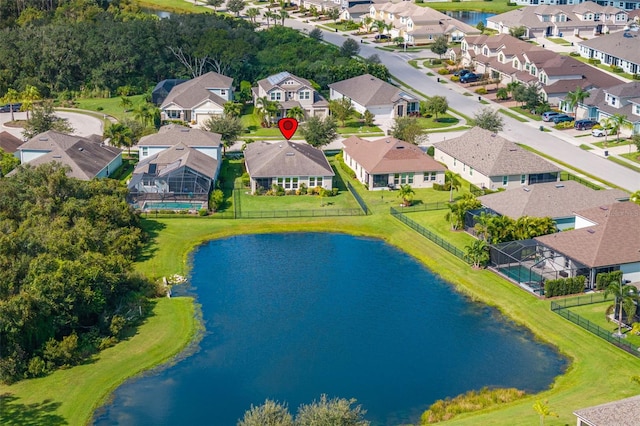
x=369, y=93
x=291, y=91
x=508, y=59
x=172, y=134
x=605, y=239
x=488, y=160
x=622, y=99
x=9, y=143
x=197, y=100
x=178, y=174
x=624, y=412
x=87, y=158
x=619, y=49
x=390, y=162
x=582, y=19
x=287, y=164
x=419, y=25
x=557, y=200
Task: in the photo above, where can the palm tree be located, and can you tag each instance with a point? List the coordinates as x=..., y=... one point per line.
x=142, y=113
x=575, y=98
x=477, y=253
x=543, y=410
x=120, y=135
x=513, y=86
x=233, y=109
x=266, y=109
x=296, y=112
x=481, y=226
x=454, y=181
x=283, y=14
x=625, y=295
x=406, y=193
x=619, y=121
x=380, y=26
x=607, y=124
x=12, y=96
x=366, y=23
x=268, y=15
x=252, y=13
x=125, y=103
x=29, y=95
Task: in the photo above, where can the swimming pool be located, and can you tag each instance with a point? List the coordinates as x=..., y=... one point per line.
x=521, y=274
x=172, y=205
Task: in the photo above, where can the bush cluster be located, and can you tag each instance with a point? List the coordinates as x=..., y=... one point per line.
x=455, y=78
x=444, y=71
x=564, y=125
x=593, y=61
x=564, y=286
x=603, y=279
x=481, y=91
x=440, y=187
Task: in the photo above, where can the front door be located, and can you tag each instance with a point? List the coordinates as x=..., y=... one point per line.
x=400, y=110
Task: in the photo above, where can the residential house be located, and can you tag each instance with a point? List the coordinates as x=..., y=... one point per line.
x=197, y=100
x=557, y=200
x=9, y=143
x=170, y=135
x=162, y=89
x=626, y=5
x=507, y=59
x=378, y=97
x=580, y=19
x=390, y=162
x=624, y=412
x=290, y=91
x=87, y=157
x=605, y=239
x=488, y=160
x=179, y=176
x=623, y=99
x=419, y=25
x=617, y=49
x=287, y=164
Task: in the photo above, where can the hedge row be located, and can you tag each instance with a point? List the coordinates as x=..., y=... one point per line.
x=564, y=286
x=603, y=279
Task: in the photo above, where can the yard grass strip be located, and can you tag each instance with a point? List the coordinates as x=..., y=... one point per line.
x=512, y=115
x=624, y=163
x=586, y=147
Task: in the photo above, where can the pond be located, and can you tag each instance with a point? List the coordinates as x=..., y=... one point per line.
x=292, y=316
x=470, y=17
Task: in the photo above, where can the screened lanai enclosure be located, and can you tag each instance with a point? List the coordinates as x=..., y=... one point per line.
x=529, y=263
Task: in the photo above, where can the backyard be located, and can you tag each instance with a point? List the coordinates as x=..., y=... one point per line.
x=595, y=313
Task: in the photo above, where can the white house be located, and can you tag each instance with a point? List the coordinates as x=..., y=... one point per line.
x=290, y=91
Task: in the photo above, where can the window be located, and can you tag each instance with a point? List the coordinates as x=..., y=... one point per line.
x=433, y=175
x=454, y=161
x=276, y=96
x=145, y=151
x=403, y=178
x=396, y=179
x=223, y=92
x=315, y=181
x=505, y=180
x=172, y=113
x=470, y=171
x=305, y=94
x=523, y=179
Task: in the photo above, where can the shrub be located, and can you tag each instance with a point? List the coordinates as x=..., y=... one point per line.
x=440, y=187
x=636, y=76
x=203, y=212
x=450, y=62
x=216, y=200
x=436, y=61
x=444, y=71
x=616, y=69
x=564, y=286
x=334, y=192
x=455, y=78
x=245, y=179
x=593, y=61
x=603, y=279
x=481, y=91
x=303, y=189
x=431, y=151
x=37, y=367
x=564, y=125
x=574, y=54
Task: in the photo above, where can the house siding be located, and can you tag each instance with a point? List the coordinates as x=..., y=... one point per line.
x=111, y=167
x=631, y=271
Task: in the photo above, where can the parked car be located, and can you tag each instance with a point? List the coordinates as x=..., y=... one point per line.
x=602, y=132
x=470, y=77
x=461, y=73
x=584, y=124
x=382, y=36
x=7, y=107
x=4, y=108
x=547, y=116
x=561, y=118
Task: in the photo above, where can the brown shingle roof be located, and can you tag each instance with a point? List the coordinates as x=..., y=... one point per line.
x=175, y=157
x=9, y=143
x=614, y=240
x=174, y=134
x=285, y=158
x=624, y=412
x=493, y=155
x=368, y=90
x=195, y=91
x=389, y=155
x=553, y=199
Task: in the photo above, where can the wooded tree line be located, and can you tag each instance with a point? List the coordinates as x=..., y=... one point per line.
x=66, y=288
x=107, y=49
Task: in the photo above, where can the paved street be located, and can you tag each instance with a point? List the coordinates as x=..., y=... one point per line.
x=83, y=125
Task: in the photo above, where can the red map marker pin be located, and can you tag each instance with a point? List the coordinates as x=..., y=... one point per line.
x=288, y=127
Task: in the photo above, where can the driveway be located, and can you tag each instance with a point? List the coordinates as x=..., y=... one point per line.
x=83, y=125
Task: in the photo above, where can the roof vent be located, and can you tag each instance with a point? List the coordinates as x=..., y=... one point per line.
x=526, y=189
x=400, y=147
x=185, y=130
x=290, y=154
x=57, y=156
x=81, y=149
x=43, y=138
x=591, y=231
x=180, y=148
x=604, y=208
x=559, y=185
x=388, y=141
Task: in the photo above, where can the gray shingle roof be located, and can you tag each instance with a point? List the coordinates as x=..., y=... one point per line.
x=195, y=91
x=174, y=134
x=554, y=199
x=493, y=155
x=614, y=240
x=624, y=412
x=618, y=45
x=368, y=90
x=86, y=156
x=627, y=91
x=389, y=155
x=9, y=143
x=178, y=156
x=285, y=158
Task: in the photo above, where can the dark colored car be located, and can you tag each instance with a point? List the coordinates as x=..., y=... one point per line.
x=461, y=73
x=470, y=77
x=584, y=124
x=4, y=108
x=561, y=118
x=382, y=37
x=548, y=116
x=7, y=107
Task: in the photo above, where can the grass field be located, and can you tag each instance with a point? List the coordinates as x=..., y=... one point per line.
x=526, y=113
x=110, y=106
x=175, y=6
x=495, y=6
x=596, y=314
x=512, y=115
x=634, y=156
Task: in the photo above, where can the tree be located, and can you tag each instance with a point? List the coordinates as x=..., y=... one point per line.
x=518, y=32
x=252, y=13
x=440, y=46
x=125, y=103
x=436, y=105
x=635, y=197
x=409, y=130
x=215, y=3
x=480, y=27
x=454, y=182
x=268, y=15
x=233, y=109
x=635, y=139
x=625, y=296
x=266, y=109
x=608, y=125
x=296, y=112
x=477, y=253
x=349, y=48
x=488, y=119
x=543, y=410
x=283, y=14
x=228, y=127
x=319, y=131
x=619, y=121
x=235, y=6
x=271, y=413
x=334, y=411
x=8, y=162
x=316, y=34
x=368, y=118
x=341, y=109
x=43, y=119
x=12, y=96
x=502, y=94
x=366, y=23
x=333, y=13
x=512, y=87
x=120, y=135
x=406, y=193
x=459, y=209
x=380, y=26
x=29, y=95
x=575, y=98
x=145, y=113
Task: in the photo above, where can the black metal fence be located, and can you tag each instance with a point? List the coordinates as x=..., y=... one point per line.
x=607, y=335
x=440, y=205
x=569, y=176
x=357, y=197
x=271, y=214
x=428, y=234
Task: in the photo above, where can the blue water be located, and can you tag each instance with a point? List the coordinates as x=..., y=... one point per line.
x=292, y=316
x=470, y=17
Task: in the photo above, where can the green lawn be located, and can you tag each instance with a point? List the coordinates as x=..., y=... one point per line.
x=434, y=221
x=612, y=142
x=624, y=163
x=586, y=147
x=110, y=106
x=512, y=115
x=175, y=6
x=443, y=121
x=495, y=6
x=604, y=67
x=70, y=396
x=526, y=113
x=595, y=313
x=559, y=41
x=634, y=156
x=125, y=171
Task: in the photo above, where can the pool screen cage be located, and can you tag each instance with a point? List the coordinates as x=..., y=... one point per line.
x=182, y=184
x=529, y=263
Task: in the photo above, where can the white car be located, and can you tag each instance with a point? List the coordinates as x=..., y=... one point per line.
x=602, y=132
